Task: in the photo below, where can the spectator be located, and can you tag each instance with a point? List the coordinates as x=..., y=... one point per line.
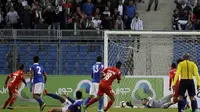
x=110, y=7
x=130, y=13
x=192, y=3
x=79, y=12
x=12, y=18
x=191, y=20
x=96, y=22
x=68, y=7
x=9, y=4
x=26, y=17
x=183, y=15
x=36, y=16
x=88, y=8
x=175, y=18
x=62, y=13
x=197, y=14
x=137, y=25
x=56, y=22
x=99, y=5
x=106, y=23
x=86, y=23
x=115, y=15
x=120, y=8
x=1, y=19
x=97, y=13
x=24, y=3
x=48, y=16
x=107, y=12
x=119, y=24
x=76, y=25
x=150, y=4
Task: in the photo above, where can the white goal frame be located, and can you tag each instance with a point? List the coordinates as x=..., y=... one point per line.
x=106, y=39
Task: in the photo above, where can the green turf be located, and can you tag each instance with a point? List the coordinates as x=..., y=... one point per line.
x=29, y=109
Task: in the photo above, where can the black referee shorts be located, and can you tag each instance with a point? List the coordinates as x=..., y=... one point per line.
x=186, y=84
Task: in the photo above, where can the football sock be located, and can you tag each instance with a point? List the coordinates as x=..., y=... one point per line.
x=92, y=101
x=184, y=104
x=193, y=104
x=101, y=103
x=109, y=105
x=39, y=100
x=87, y=100
x=180, y=105
x=196, y=103
x=12, y=101
x=55, y=96
x=7, y=102
x=71, y=100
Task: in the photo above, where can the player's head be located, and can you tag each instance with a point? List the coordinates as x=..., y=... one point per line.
x=36, y=59
x=144, y=101
x=79, y=95
x=173, y=65
x=186, y=57
x=21, y=67
x=179, y=60
x=99, y=59
x=118, y=64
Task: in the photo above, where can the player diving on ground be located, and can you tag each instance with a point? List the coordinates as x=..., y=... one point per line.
x=69, y=105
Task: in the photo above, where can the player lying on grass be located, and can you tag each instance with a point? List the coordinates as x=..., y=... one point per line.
x=108, y=76
x=16, y=78
x=152, y=103
x=69, y=105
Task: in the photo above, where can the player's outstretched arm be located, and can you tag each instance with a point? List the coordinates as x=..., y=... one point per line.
x=24, y=81
x=45, y=77
x=6, y=82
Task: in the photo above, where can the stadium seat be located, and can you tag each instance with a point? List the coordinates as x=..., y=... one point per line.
x=71, y=63
x=83, y=48
x=92, y=55
x=73, y=48
x=72, y=55
x=80, y=71
x=82, y=55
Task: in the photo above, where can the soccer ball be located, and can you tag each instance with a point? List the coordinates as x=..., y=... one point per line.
x=123, y=104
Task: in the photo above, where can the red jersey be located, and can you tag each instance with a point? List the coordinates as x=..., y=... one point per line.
x=172, y=74
x=16, y=78
x=110, y=74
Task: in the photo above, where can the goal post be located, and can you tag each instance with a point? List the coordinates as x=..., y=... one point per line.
x=147, y=55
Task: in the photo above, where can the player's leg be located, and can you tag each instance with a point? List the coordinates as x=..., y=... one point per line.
x=110, y=93
x=10, y=90
x=92, y=93
x=192, y=93
x=56, y=110
x=13, y=99
x=37, y=91
x=181, y=93
x=54, y=96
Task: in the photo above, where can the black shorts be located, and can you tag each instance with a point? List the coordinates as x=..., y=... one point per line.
x=186, y=84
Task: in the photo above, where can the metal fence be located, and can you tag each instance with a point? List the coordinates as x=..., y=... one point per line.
x=60, y=51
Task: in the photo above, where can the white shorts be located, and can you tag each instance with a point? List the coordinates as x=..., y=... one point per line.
x=66, y=105
x=94, y=89
x=38, y=88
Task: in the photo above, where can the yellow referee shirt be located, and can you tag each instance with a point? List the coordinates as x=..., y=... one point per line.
x=186, y=69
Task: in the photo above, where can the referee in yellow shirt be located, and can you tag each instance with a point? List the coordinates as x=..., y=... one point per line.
x=186, y=70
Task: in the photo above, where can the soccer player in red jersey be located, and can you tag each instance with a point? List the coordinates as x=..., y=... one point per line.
x=16, y=78
x=108, y=76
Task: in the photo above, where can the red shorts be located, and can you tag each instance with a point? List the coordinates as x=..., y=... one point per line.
x=12, y=89
x=103, y=88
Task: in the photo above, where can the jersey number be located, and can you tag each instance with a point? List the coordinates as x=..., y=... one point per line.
x=96, y=68
x=39, y=70
x=14, y=77
x=108, y=75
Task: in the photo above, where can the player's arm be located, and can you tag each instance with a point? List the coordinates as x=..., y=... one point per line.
x=149, y=105
x=23, y=80
x=118, y=78
x=102, y=74
x=170, y=81
x=31, y=76
x=177, y=75
x=196, y=73
x=7, y=79
x=45, y=77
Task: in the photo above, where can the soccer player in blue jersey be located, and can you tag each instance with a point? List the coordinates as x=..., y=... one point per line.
x=39, y=77
x=69, y=105
x=96, y=70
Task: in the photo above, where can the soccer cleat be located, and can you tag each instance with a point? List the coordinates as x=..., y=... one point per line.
x=4, y=108
x=100, y=110
x=45, y=92
x=10, y=107
x=43, y=106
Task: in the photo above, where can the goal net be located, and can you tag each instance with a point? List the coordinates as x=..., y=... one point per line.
x=146, y=58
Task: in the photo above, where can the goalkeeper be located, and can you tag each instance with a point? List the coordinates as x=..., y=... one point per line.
x=152, y=103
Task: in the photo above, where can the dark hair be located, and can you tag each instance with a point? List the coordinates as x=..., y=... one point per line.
x=21, y=67
x=99, y=59
x=186, y=57
x=36, y=59
x=144, y=99
x=118, y=64
x=173, y=65
x=79, y=95
x=179, y=60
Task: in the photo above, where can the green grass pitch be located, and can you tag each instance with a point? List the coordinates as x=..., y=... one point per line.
x=31, y=109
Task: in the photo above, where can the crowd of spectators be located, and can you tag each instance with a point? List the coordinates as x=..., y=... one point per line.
x=70, y=14
x=186, y=15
